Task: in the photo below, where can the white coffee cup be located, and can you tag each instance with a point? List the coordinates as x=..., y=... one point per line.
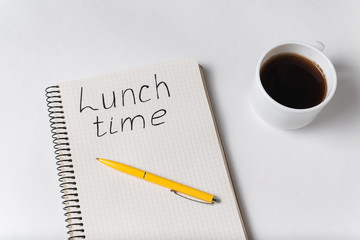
x=282, y=116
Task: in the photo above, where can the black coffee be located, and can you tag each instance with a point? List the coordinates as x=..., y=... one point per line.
x=293, y=80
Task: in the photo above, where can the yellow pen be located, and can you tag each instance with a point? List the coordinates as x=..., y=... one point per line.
x=173, y=186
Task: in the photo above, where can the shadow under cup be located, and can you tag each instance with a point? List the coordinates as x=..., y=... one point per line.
x=282, y=116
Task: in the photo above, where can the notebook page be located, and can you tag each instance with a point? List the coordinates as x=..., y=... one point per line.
x=172, y=135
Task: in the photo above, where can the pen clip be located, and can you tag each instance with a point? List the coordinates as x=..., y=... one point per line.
x=177, y=193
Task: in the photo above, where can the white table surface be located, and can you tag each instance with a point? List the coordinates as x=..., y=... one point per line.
x=302, y=184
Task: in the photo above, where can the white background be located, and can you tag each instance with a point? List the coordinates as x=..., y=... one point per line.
x=302, y=184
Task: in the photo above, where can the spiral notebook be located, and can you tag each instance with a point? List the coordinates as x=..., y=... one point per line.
x=157, y=118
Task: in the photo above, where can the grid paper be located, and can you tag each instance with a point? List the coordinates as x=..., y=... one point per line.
x=185, y=149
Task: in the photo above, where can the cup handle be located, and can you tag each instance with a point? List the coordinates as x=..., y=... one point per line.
x=319, y=45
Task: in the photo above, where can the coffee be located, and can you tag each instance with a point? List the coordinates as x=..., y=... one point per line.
x=293, y=81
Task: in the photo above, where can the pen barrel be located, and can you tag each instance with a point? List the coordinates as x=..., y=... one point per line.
x=123, y=168
x=178, y=187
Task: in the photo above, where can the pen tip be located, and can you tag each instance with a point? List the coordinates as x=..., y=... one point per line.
x=215, y=200
x=97, y=159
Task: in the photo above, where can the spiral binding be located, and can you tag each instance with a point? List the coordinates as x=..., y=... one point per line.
x=64, y=162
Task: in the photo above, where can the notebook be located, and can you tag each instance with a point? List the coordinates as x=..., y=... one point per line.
x=156, y=118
